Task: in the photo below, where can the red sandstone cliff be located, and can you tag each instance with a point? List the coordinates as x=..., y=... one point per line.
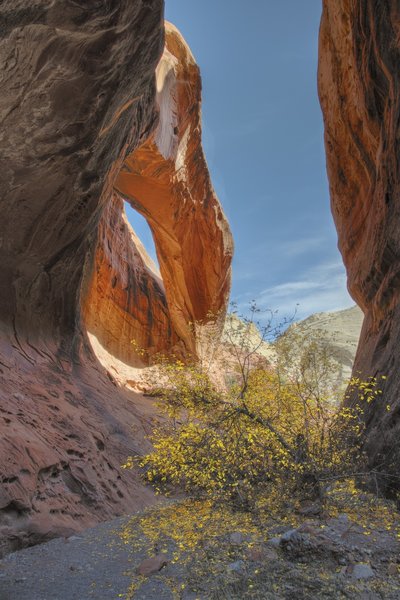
x=68, y=76
x=78, y=97
x=167, y=181
x=125, y=306
x=359, y=82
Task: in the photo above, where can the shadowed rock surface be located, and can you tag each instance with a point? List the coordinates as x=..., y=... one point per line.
x=359, y=81
x=78, y=96
x=69, y=73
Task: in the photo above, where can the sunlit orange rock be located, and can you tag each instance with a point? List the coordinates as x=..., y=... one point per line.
x=125, y=307
x=359, y=81
x=78, y=93
x=167, y=181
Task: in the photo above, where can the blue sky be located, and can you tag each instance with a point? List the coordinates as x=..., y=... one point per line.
x=263, y=139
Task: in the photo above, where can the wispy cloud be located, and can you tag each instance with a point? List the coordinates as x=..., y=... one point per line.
x=300, y=246
x=318, y=289
x=284, y=253
x=291, y=247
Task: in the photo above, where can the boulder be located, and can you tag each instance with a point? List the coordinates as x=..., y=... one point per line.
x=152, y=565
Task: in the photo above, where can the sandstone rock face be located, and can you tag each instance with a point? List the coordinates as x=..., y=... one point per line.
x=359, y=79
x=65, y=431
x=79, y=95
x=167, y=181
x=337, y=331
x=125, y=307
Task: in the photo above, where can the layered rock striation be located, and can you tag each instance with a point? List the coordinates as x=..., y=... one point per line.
x=359, y=80
x=69, y=74
x=339, y=333
x=125, y=307
x=77, y=94
x=79, y=97
x=167, y=181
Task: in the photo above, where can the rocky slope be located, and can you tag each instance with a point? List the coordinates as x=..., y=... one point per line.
x=339, y=331
x=359, y=78
x=79, y=95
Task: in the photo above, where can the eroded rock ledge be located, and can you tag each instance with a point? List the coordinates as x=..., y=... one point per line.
x=359, y=82
x=78, y=97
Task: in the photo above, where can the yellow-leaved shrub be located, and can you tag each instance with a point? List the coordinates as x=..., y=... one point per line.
x=274, y=429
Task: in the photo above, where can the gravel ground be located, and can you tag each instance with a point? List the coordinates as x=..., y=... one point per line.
x=214, y=556
x=95, y=565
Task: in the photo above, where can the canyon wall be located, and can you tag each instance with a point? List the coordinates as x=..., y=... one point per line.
x=167, y=181
x=359, y=82
x=125, y=307
x=79, y=96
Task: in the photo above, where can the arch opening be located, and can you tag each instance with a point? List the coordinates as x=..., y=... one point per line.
x=143, y=232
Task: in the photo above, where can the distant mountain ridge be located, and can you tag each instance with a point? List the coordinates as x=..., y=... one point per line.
x=340, y=329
